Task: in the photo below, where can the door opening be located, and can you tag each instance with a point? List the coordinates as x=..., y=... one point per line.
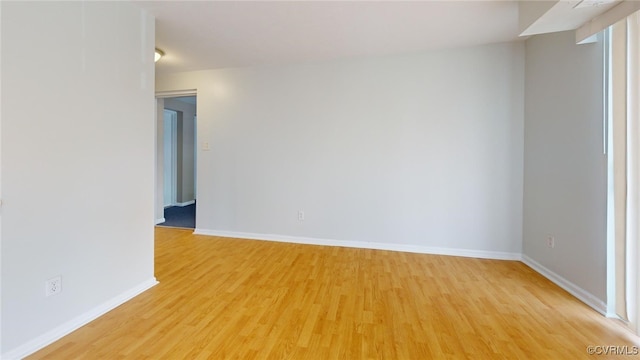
x=176, y=165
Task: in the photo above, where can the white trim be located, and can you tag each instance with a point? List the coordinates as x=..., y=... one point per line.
x=160, y=221
x=74, y=324
x=176, y=93
x=173, y=132
x=573, y=289
x=186, y=203
x=495, y=255
x=610, y=17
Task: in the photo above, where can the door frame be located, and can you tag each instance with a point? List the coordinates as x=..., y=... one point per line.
x=159, y=163
x=173, y=143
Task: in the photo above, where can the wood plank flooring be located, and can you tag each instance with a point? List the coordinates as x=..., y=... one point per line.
x=222, y=298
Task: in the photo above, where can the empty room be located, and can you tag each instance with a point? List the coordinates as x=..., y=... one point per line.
x=370, y=179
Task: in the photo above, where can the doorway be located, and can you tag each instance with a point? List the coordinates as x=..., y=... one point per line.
x=176, y=161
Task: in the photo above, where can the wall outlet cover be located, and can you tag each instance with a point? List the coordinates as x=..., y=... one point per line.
x=53, y=286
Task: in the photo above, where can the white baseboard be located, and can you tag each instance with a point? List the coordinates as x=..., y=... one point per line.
x=160, y=221
x=573, y=289
x=565, y=284
x=183, y=204
x=74, y=324
x=496, y=255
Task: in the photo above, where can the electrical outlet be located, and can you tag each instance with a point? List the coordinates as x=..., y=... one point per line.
x=300, y=215
x=53, y=286
x=551, y=242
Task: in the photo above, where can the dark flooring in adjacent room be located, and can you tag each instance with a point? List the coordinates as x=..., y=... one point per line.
x=180, y=216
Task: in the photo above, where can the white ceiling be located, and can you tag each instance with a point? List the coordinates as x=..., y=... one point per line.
x=215, y=34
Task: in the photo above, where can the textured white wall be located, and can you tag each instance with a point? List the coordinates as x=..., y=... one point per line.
x=77, y=180
x=565, y=168
x=421, y=149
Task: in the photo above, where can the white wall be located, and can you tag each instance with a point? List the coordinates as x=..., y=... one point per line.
x=77, y=181
x=565, y=168
x=1, y=322
x=422, y=150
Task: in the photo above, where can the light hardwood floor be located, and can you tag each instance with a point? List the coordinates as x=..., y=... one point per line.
x=221, y=298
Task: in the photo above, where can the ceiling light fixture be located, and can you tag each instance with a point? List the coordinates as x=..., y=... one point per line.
x=159, y=54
